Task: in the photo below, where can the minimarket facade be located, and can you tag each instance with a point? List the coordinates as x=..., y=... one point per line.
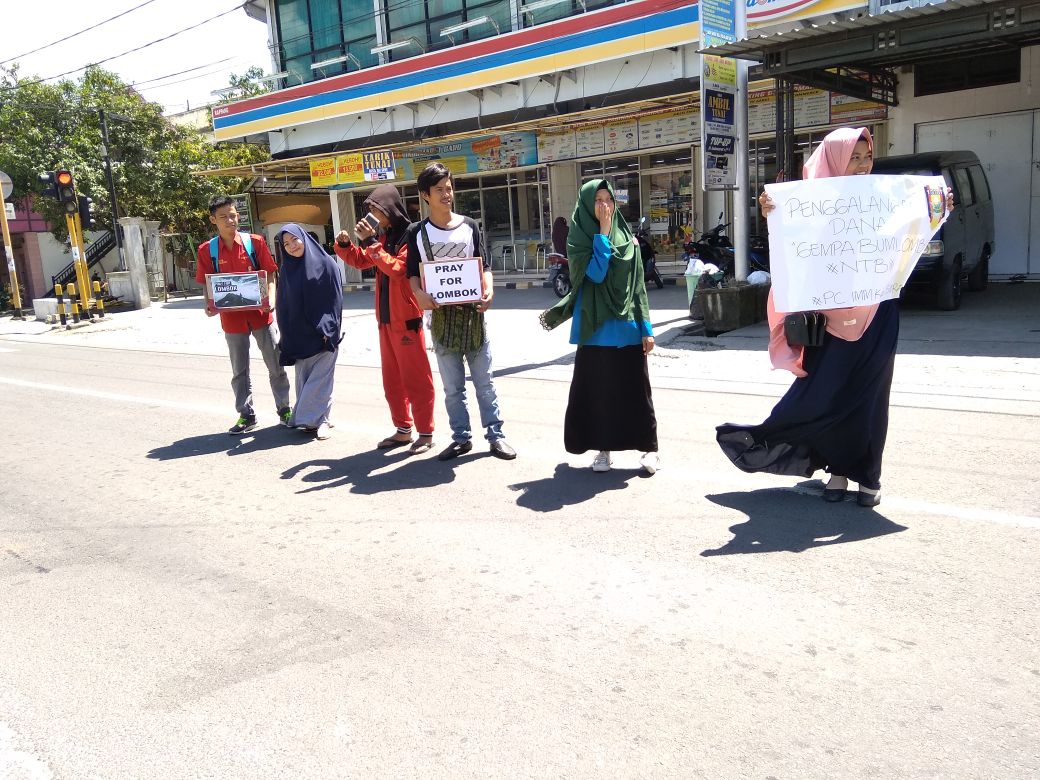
x=635, y=122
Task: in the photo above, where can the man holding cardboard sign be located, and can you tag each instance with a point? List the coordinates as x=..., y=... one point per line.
x=444, y=251
x=234, y=257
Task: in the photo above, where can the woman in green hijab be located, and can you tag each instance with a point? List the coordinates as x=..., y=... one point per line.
x=610, y=406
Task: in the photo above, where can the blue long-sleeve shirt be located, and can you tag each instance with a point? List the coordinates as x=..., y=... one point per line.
x=612, y=333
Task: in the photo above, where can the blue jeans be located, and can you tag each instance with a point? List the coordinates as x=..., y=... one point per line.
x=453, y=376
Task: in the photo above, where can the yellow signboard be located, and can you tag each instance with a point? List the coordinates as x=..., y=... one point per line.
x=350, y=169
x=323, y=172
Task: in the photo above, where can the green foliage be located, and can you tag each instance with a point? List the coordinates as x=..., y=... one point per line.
x=245, y=86
x=44, y=127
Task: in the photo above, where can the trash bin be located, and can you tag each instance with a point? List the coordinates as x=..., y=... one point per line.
x=691, y=287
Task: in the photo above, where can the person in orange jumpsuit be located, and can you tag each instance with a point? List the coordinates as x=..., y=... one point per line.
x=407, y=378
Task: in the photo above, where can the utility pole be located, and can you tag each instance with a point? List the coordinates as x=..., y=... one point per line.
x=111, y=186
x=12, y=270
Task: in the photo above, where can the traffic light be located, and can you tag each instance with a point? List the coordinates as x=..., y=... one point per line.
x=87, y=219
x=51, y=190
x=66, y=191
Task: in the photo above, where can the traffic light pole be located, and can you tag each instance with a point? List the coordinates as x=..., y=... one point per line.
x=79, y=261
x=111, y=188
x=16, y=294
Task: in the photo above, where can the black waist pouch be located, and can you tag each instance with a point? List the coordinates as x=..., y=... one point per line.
x=805, y=328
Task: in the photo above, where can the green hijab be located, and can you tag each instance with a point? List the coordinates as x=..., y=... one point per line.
x=622, y=294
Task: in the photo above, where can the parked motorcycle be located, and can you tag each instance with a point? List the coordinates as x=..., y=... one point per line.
x=714, y=246
x=648, y=253
x=559, y=273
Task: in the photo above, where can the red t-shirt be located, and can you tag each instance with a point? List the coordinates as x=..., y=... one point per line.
x=236, y=260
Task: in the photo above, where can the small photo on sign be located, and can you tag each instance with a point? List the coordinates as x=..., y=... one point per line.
x=237, y=292
x=459, y=280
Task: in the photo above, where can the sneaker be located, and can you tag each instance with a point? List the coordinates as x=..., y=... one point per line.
x=602, y=461
x=455, y=449
x=323, y=431
x=285, y=417
x=650, y=462
x=244, y=424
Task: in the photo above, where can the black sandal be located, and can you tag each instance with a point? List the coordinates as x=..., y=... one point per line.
x=390, y=443
x=421, y=445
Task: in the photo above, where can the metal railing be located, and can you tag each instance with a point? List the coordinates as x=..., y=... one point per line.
x=102, y=244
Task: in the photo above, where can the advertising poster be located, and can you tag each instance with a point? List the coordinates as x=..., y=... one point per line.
x=849, y=240
x=471, y=155
x=849, y=110
x=556, y=145
x=621, y=136
x=589, y=140
x=323, y=172
x=378, y=166
x=667, y=127
x=350, y=169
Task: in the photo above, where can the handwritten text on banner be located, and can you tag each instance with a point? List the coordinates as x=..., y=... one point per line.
x=849, y=240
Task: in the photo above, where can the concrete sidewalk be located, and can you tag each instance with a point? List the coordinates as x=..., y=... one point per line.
x=984, y=357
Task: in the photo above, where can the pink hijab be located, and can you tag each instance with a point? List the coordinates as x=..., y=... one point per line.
x=831, y=158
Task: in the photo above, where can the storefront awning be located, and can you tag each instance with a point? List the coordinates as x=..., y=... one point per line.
x=292, y=175
x=868, y=45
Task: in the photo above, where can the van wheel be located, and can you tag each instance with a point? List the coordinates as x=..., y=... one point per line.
x=562, y=285
x=948, y=296
x=979, y=276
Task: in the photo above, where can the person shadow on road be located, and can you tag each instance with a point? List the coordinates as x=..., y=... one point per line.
x=569, y=486
x=781, y=520
x=356, y=472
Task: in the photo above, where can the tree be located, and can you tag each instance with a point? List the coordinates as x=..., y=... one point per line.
x=245, y=86
x=44, y=127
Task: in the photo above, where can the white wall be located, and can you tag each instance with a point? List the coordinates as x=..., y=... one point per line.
x=955, y=105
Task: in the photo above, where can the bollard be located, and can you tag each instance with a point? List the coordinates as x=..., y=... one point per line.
x=98, y=300
x=71, y=290
x=61, y=306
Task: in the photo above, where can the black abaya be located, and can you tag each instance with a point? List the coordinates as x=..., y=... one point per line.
x=610, y=406
x=835, y=418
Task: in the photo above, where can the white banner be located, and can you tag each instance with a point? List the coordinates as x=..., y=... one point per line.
x=849, y=240
x=459, y=280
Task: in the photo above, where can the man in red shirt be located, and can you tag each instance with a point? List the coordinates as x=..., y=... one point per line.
x=238, y=325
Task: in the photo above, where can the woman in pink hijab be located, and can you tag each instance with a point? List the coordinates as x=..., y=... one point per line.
x=835, y=415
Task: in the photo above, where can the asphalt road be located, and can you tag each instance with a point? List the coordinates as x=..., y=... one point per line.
x=176, y=603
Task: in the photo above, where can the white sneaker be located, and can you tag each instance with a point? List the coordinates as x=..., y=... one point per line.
x=323, y=431
x=650, y=462
x=602, y=461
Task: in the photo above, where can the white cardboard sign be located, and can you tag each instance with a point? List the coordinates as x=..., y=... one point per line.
x=849, y=240
x=458, y=280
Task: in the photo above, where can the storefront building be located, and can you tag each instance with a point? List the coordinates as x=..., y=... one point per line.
x=524, y=102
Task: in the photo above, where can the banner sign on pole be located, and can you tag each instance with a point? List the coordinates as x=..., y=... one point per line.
x=849, y=240
x=245, y=211
x=718, y=97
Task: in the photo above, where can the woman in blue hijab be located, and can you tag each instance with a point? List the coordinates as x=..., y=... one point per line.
x=310, y=316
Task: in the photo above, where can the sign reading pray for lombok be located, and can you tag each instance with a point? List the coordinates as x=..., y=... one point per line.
x=458, y=280
x=849, y=240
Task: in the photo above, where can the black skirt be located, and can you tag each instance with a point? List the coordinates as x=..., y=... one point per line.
x=610, y=406
x=836, y=418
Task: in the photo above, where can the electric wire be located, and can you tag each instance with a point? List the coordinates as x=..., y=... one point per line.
x=70, y=37
x=146, y=45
